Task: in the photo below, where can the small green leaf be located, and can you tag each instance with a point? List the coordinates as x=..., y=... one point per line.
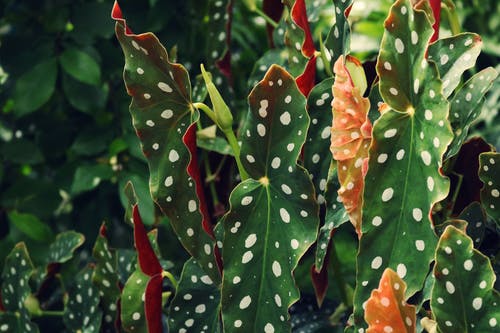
x=489, y=173
x=64, y=246
x=463, y=298
x=476, y=218
x=81, y=66
x=31, y=226
x=217, y=144
x=35, y=87
x=196, y=305
x=88, y=177
x=453, y=56
x=466, y=106
x=84, y=97
x=339, y=38
x=82, y=311
x=132, y=303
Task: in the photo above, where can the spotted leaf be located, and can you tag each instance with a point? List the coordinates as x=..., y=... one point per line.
x=386, y=309
x=403, y=180
x=350, y=134
x=476, y=218
x=164, y=119
x=466, y=106
x=338, y=39
x=273, y=56
x=463, y=298
x=82, y=312
x=453, y=56
x=489, y=173
x=105, y=277
x=273, y=216
x=196, y=305
x=132, y=314
x=64, y=246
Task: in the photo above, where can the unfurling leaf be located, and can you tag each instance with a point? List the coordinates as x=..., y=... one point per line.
x=351, y=134
x=386, y=309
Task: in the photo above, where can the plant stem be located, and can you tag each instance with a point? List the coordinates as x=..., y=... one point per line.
x=452, y=17
x=203, y=107
x=269, y=20
x=171, y=278
x=231, y=138
x=48, y=314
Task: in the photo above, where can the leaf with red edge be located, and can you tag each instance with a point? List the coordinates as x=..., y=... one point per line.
x=299, y=16
x=386, y=309
x=165, y=122
x=351, y=135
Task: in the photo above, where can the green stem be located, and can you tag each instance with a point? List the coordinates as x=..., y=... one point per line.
x=231, y=138
x=203, y=107
x=208, y=171
x=326, y=62
x=456, y=192
x=48, y=314
x=269, y=20
x=452, y=17
x=337, y=275
x=172, y=279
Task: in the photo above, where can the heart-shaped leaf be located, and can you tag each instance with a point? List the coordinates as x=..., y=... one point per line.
x=466, y=106
x=105, y=277
x=339, y=38
x=453, y=56
x=274, y=215
x=489, y=173
x=164, y=119
x=386, y=309
x=409, y=139
x=351, y=134
x=196, y=305
x=463, y=298
x=82, y=313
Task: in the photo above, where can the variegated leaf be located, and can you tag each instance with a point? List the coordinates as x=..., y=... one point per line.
x=274, y=215
x=463, y=298
x=351, y=134
x=386, y=309
x=338, y=39
x=489, y=173
x=409, y=139
x=164, y=119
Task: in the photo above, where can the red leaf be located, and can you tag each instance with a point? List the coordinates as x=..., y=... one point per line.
x=147, y=259
x=193, y=171
x=152, y=304
x=436, y=10
x=307, y=79
x=299, y=16
x=116, y=14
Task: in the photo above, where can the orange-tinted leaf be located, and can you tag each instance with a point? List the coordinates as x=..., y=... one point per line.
x=386, y=309
x=351, y=136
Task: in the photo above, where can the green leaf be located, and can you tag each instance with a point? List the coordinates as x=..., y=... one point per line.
x=476, y=218
x=466, y=106
x=64, y=246
x=35, y=87
x=217, y=144
x=82, y=313
x=146, y=204
x=88, y=177
x=132, y=303
x=273, y=56
x=489, y=173
x=80, y=66
x=164, y=119
x=12, y=323
x=22, y=151
x=274, y=215
x=84, y=97
x=31, y=226
x=453, y=56
x=339, y=38
x=403, y=180
x=196, y=305
x=463, y=298
x=105, y=277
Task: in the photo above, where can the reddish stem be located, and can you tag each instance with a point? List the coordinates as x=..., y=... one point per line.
x=436, y=9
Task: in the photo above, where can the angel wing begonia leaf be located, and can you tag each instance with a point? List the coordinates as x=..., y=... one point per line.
x=273, y=217
x=338, y=39
x=350, y=136
x=463, y=298
x=489, y=173
x=196, y=305
x=409, y=139
x=466, y=106
x=386, y=309
x=132, y=314
x=164, y=119
x=453, y=56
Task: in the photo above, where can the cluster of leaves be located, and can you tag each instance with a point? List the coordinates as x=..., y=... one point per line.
x=317, y=143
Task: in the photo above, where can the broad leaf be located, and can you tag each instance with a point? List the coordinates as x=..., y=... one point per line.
x=164, y=119
x=31, y=226
x=466, y=106
x=351, y=134
x=386, y=309
x=463, y=298
x=489, y=173
x=403, y=180
x=453, y=56
x=82, y=313
x=274, y=214
x=196, y=305
x=81, y=66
